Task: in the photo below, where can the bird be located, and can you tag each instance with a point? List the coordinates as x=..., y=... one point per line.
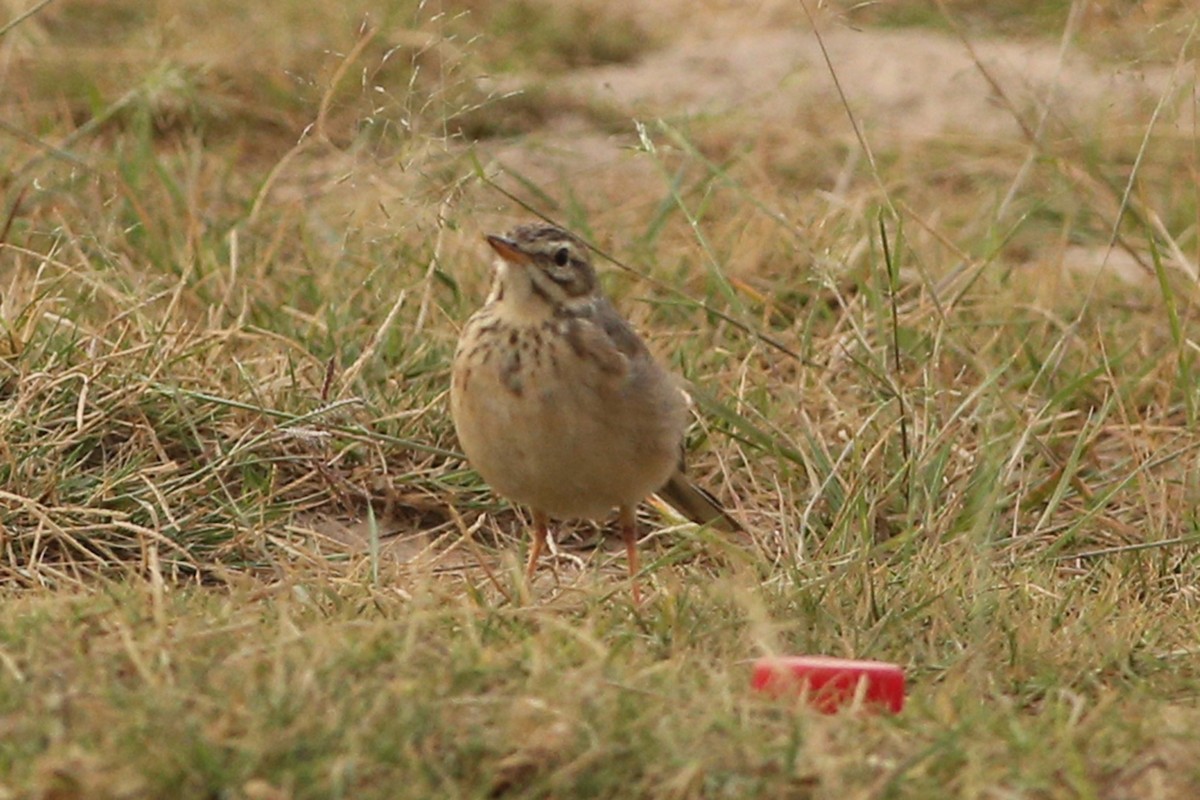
x=558, y=403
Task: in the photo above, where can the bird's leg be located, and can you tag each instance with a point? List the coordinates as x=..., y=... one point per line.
x=540, y=525
x=628, y=522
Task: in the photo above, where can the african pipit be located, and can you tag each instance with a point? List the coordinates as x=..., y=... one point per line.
x=557, y=402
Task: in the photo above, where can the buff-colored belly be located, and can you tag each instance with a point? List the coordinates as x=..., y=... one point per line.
x=562, y=438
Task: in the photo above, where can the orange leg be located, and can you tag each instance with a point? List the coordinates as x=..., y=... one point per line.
x=540, y=525
x=629, y=532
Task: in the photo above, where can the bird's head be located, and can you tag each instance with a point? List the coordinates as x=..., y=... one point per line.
x=542, y=263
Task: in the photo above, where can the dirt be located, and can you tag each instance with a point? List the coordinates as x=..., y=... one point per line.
x=899, y=83
x=901, y=86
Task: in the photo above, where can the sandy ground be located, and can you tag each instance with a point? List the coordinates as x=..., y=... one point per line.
x=900, y=86
x=898, y=83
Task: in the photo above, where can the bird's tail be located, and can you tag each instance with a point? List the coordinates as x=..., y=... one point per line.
x=697, y=504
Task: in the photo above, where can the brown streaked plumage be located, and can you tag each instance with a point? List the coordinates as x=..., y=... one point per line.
x=558, y=403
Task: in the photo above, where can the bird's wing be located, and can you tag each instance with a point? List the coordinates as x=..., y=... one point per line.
x=596, y=331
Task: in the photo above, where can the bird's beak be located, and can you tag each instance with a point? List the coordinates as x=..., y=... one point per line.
x=509, y=250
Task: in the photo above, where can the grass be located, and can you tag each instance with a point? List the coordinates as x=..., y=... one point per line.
x=1146, y=33
x=240, y=557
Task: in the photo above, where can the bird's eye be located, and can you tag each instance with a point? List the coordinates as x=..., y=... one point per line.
x=561, y=256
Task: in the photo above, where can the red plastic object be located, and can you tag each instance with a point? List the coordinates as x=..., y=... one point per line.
x=830, y=684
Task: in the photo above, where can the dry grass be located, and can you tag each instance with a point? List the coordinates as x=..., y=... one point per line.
x=240, y=557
